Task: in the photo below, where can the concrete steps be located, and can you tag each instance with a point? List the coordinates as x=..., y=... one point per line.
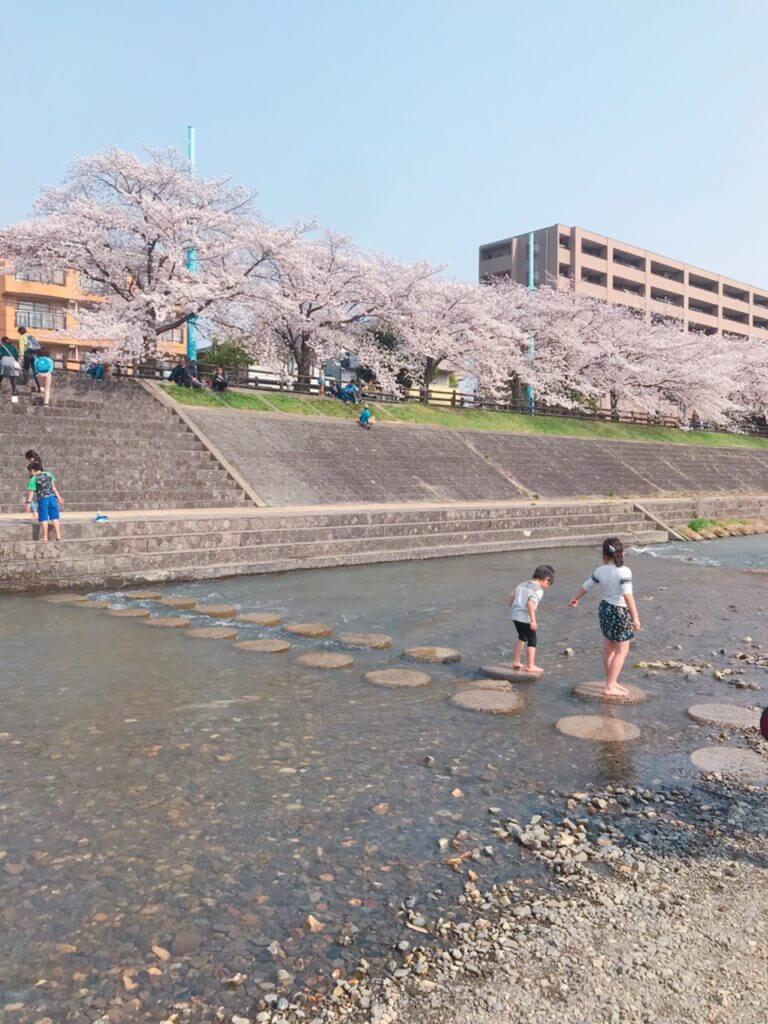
x=208, y=546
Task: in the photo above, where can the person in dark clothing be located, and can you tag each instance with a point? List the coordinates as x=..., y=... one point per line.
x=29, y=347
x=9, y=362
x=219, y=381
x=178, y=374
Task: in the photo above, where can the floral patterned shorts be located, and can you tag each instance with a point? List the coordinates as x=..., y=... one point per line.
x=615, y=622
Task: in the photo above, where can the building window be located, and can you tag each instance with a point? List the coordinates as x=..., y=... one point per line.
x=735, y=293
x=701, y=329
x=492, y=252
x=590, y=248
x=760, y=300
x=90, y=286
x=761, y=322
x=41, y=275
x=628, y=259
x=697, y=306
x=621, y=284
x=594, y=277
x=704, y=283
x=565, y=241
x=176, y=335
x=736, y=315
x=668, y=298
x=664, y=270
x=41, y=315
x=564, y=270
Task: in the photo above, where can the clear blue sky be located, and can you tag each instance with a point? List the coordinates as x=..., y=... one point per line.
x=420, y=127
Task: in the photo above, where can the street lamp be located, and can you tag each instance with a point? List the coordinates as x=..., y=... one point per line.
x=191, y=252
x=529, y=392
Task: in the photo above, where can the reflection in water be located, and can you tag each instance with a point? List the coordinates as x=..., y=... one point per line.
x=615, y=759
x=161, y=791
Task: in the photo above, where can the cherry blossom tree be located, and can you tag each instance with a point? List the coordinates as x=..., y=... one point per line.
x=127, y=224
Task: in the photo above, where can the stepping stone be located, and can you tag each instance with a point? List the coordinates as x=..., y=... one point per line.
x=374, y=641
x=325, y=659
x=264, y=646
x=169, y=622
x=397, y=677
x=310, y=629
x=499, y=685
x=130, y=613
x=213, y=633
x=512, y=675
x=490, y=702
x=595, y=693
x=434, y=655
x=260, y=618
x=67, y=599
x=730, y=716
x=598, y=728
x=179, y=602
x=218, y=611
x=144, y=595
x=748, y=765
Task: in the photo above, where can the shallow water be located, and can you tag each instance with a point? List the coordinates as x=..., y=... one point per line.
x=146, y=803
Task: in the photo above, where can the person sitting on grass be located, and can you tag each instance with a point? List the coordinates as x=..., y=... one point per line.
x=523, y=610
x=366, y=418
x=219, y=380
x=42, y=488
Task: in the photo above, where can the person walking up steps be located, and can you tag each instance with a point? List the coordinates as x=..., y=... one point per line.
x=617, y=612
x=9, y=363
x=523, y=610
x=44, y=374
x=42, y=488
x=29, y=349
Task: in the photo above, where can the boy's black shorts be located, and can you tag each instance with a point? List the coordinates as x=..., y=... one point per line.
x=526, y=634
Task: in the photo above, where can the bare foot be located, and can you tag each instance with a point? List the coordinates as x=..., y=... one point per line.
x=534, y=671
x=518, y=668
x=616, y=691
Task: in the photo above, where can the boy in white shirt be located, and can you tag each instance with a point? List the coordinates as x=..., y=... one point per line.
x=523, y=610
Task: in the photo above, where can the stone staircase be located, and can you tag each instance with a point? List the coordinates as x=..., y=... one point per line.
x=679, y=511
x=190, y=546
x=112, y=446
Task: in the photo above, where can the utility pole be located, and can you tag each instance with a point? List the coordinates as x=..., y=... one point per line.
x=191, y=251
x=529, y=392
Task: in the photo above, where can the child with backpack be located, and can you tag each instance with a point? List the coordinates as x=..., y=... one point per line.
x=44, y=374
x=42, y=489
x=523, y=610
x=619, y=618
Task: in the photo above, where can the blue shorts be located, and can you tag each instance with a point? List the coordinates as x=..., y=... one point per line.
x=48, y=508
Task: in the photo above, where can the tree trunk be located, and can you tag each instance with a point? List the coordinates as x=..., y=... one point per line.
x=431, y=367
x=614, y=407
x=304, y=357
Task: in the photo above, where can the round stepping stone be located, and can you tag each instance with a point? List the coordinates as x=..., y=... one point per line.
x=260, y=618
x=490, y=702
x=213, y=633
x=598, y=728
x=311, y=629
x=499, y=685
x=749, y=766
x=264, y=646
x=130, y=613
x=434, y=655
x=595, y=693
x=730, y=716
x=218, y=611
x=144, y=595
x=179, y=602
x=373, y=641
x=397, y=677
x=169, y=622
x=325, y=659
x=512, y=675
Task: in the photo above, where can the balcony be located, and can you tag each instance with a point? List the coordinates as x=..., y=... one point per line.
x=628, y=259
x=564, y=270
x=667, y=298
x=623, y=284
x=665, y=271
x=594, y=249
x=564, y=241
x=596, y=277
x=696, y=328
x=488, y=252
x=760, y=300
x=739, y=294
x=760, y=322
x=704, y=284
x=708, y=308
x=735, y=315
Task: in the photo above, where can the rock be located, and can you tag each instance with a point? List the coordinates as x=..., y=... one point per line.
x=168, y=622
x=310, y=629
x=382, y=808
x=217, y=611
x=745, y=764
x=491, y=702
x=434, y=655
x=729, y=716
x=512, y=675
x=499, y=685
x=213, y=633
x=598, y=728
x=374, y=641
x=267, y=646
x=130, y=613
x=260, y=618
x=569, y=652
x=595, y=693
x=67, y=598
x=186, y=940
x=179, y=602
x=397, y=677
x=143, y=595
x=325, y=659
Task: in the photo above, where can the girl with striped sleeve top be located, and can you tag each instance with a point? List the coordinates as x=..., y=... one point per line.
x=619, y=619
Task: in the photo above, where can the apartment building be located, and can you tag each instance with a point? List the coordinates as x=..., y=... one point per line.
x=46, y=303
x=654, y=285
